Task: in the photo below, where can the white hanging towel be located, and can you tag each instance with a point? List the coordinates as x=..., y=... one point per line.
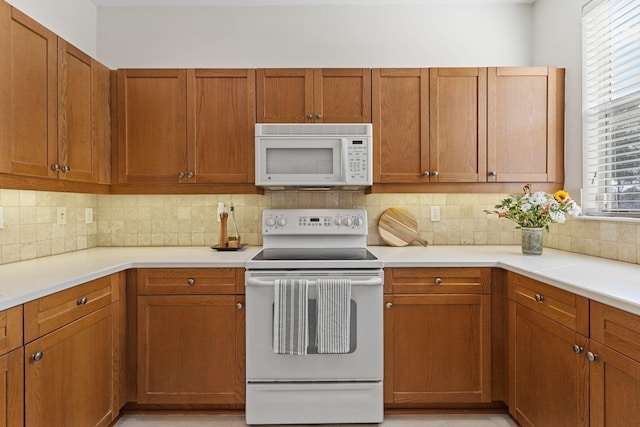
x=334, y=314
x=290, y=318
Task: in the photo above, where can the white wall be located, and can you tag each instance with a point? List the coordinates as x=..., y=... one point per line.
x=320, y=36
x=73, y=20
x=557, y=41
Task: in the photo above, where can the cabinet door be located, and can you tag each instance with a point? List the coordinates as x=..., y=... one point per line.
x=342, y=95
x=284, y=95
x=152, y=126
x=70, y=381
x=12, y=388
x=221, y=126
x=437, y=349
x=28, y=95
x=615, y=388
x=77, y=154
x=548, y=379
x=400, y=125
x=204, y=368
x=101, y=119
x=457, y=123
x=525, y=124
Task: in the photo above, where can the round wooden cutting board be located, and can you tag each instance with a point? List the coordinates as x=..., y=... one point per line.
x=398, y=227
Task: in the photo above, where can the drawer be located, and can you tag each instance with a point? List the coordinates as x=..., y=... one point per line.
x=438, y=280
x=190, y=281
x=48, y=313
x=564, y=307
x=616, y=329
x=10, y=329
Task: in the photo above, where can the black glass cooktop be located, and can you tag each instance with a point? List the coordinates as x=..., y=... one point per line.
x=314, y=254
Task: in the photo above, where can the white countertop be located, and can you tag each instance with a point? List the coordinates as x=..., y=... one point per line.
x=611, y=282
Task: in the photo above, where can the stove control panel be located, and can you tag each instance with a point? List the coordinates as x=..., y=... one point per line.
x=314, y=221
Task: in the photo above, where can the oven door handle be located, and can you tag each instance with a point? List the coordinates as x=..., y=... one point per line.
x=374, y=281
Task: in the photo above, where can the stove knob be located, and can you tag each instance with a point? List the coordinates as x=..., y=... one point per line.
x=339, y=221
x=349, y=221
x=270, y=222
x=282, y=221
x=359, y=221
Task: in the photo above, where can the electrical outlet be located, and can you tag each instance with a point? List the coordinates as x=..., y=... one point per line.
x=61, y=216
x=1, y=219
x=435, y=213
x=220, y=210
x=88, y=215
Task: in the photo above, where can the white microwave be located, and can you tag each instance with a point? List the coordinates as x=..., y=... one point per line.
x=319, y=155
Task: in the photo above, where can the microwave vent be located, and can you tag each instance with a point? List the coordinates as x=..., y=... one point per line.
x=319, y=129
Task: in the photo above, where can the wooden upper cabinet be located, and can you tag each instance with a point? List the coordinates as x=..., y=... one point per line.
x=525, y=130
x=221, y=116
x=152, y=126
x=457, y=124
x=400, y=125
x=77, y=153
x=304, y=95
x=101, y=119
x=28, y=95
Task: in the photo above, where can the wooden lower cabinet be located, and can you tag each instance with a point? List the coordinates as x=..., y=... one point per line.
x=549, y=376
x=437, y=345
x=69, y=374
x=190, y=345
x=12, y=388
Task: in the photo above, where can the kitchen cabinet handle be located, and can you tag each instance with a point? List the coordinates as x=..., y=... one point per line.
x=577, y=349
x=65, y=169
x=190, y=175
x=55, y=167
x=239, y=306
x=425, y=173
x=388, y=305
x=181, y=175
x=309, y=116
x=36, y=356
x=539, y=298
x=191, y=281
x=82, y=301
x=592, y=356
x=435, y=173
x=318, y=116
x=438, y=280
x=493, y=173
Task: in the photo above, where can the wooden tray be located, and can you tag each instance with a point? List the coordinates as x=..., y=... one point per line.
x=398, y=227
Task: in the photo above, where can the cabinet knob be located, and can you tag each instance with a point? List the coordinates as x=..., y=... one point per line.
x=591, y=356
x=55, y=167
x=82, y=301
x=191, y=281
x=65, y=169
x=577, y=349
x=438, y=280
x=493, y=173
x=36, y=356
x=309, y=116
x=190, y=175
x=239, y=306
x=318, y=116
x=425, y=173
x=181, y=175
x=388, y=305
x=435, y=173
x=539, y=298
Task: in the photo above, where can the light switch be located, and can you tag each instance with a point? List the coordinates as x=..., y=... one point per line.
x=88, y=215
x=1, y=219
x=435, y=213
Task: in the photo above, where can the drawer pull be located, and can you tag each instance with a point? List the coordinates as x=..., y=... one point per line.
x=577, y=349
x=239, y=306
x=388, y=305
x=191, y=281
x=539, y=298
x=438, y=280
x=82, y=301
x=36, y=356
x=592, y=356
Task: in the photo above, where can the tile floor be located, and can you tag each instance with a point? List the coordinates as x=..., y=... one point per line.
x=430, y=420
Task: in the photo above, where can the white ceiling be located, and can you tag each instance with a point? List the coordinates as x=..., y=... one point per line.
x=192, y=3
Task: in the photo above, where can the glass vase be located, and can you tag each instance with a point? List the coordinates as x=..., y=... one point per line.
x=532, y=241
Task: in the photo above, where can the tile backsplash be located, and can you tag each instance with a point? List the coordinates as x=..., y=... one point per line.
x=31, y=230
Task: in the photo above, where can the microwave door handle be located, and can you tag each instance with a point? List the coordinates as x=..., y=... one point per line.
x=345, y=160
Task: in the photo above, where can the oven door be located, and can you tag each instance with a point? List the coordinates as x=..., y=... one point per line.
x=363, y=362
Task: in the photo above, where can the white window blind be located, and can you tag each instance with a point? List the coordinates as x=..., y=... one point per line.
x=611, y=107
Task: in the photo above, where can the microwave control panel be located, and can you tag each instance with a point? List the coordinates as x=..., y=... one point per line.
x=358, y=161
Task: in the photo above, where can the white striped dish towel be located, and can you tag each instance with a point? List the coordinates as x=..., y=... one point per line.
x=290, y=316
x=334, y=315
